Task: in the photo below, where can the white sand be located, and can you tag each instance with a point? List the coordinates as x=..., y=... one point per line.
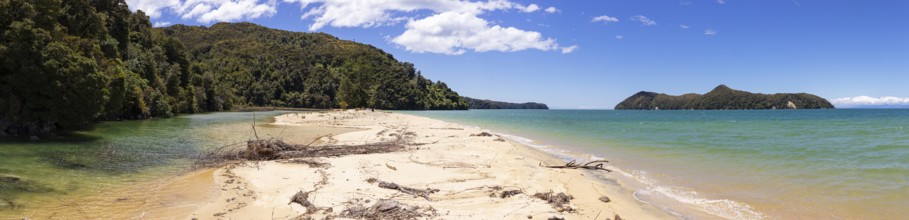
x=444, y=156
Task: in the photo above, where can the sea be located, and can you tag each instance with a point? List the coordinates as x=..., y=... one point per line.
x=73, y=176
x=749, y=164
x=730, y=164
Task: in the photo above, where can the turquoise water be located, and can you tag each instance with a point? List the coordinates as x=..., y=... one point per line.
x=112, y=155
x=831, y=164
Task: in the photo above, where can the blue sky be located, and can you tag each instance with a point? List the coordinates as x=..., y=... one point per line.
x=593, y=54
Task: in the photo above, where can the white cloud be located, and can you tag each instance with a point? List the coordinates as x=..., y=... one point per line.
x=868, y=101
x=456, y=32
x=160, y=24
x=683, y=26
x=530, y=8
x=453, y=26
x=721, y=2
x=644, y=20
x=207, y=11
x=605, y=19
x=371, y=13
x=449, y=27
x=152, y=8
x=198, y=9
x=619, y=37
x=236, y=10
x=709, y=32
x=569, y=49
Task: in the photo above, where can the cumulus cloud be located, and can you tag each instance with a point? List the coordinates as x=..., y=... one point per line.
x=683, y=26
x=721, y=2
x=453, y=27
x=152, y=8
x=619, y=37
x=569, y=49
x=709, y=32
x=530, y=8
x=644, y=20
x=370, y=13
x=236, y=10
x=456, y=32
x=870, y=101
x=206, y=11
x=160, y=24
x=449, y=27
x=605, y=19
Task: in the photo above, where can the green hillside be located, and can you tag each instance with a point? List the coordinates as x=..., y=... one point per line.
x=723, y=97
x=68, y=64
x=473, y=103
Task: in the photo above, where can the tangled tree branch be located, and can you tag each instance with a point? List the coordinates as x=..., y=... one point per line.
x=592, y=165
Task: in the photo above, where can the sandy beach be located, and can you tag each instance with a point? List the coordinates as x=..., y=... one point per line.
x=448, y=171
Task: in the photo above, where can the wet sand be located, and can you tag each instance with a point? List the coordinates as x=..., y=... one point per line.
x=175, y=196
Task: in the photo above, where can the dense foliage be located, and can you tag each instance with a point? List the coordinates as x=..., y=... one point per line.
x=473, y=103
x=268, y=67
x=723, y=97
x=66, y=64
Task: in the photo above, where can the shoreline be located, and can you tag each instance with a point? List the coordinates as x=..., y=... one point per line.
x=654, y=188
x=470, y=173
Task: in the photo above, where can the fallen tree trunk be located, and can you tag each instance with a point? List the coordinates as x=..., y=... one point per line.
x=592, y=165
x=407, y=190
x=340, y=150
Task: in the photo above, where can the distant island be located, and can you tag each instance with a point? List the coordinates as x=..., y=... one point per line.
x=722, y=98
x=473, y=103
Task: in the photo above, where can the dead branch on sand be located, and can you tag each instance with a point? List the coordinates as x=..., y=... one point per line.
x=407, y=190
x=275, y=148
x=482, y=134
x=558, y=201
x=302, y=198
x=339, y=150
x=388, y=209
x=592, y=165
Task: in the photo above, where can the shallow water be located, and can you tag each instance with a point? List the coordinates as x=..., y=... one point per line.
x=793, y=164
x=80, y=170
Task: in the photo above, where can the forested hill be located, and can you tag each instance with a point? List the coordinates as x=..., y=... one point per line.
x=269, y=67
x=473, y=103
x=723, y=97
x=68, y=64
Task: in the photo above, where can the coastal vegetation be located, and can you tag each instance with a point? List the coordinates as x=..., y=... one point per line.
x=473, y=103
x=68, y=64
x=723, y=97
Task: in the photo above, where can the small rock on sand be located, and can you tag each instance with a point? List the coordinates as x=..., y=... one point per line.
x=604, y=199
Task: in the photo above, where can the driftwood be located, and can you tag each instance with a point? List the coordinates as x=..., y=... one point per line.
x=407, y=190
x=510, y=193
x=388, y=209
x=268, y=149
x=592, y=165
x=340, y=150
x=274, y=149
x=310, y=163
x=558, y=201
x=482, y=134
x=302, y=198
